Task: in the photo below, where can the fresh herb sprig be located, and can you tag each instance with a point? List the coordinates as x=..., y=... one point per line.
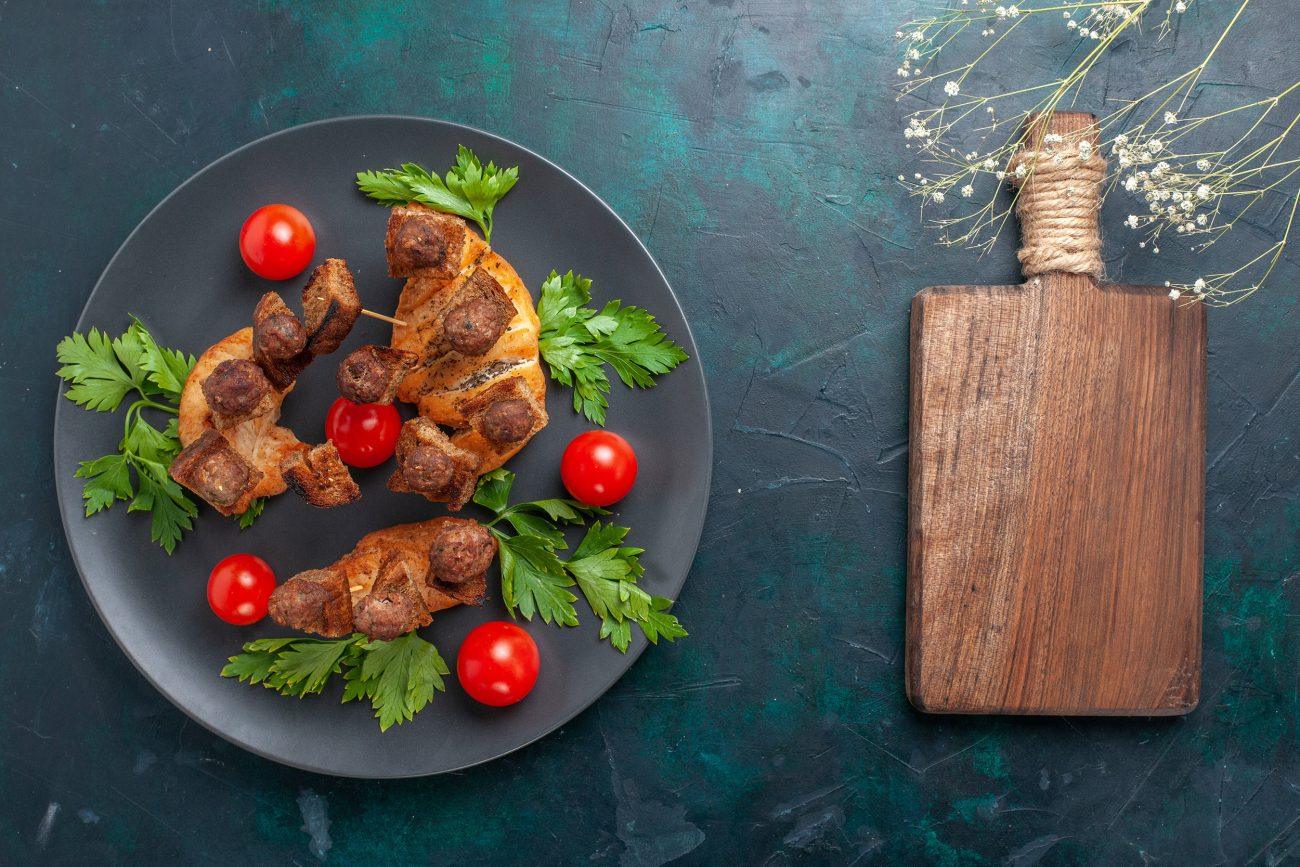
x=101, y=373
x=577, y=341
x=535, y=579
x=470, y=190
x=397, y=677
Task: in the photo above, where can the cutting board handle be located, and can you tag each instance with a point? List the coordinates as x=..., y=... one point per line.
x=1059, y=172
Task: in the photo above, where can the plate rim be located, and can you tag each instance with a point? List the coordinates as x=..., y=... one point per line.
x=633, y=655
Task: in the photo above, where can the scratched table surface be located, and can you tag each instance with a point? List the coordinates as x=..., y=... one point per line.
x=754, y=147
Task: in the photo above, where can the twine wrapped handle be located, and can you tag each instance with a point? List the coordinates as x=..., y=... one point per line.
x=1059, y=172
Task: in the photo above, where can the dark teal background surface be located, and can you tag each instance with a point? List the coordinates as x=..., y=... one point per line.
x=753, y=147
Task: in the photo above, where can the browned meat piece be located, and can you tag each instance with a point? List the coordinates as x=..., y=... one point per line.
x=394, y=606
x=330, y=306
x=316, y=601
x=372, y=373
x=428, y=464
x=212, y=468
x=480, y=316
x=319, y=476
x=279, y=341
x=422, y=242
x=460, y=552
x=236, y=391
x=503, y=415
x=384, y=586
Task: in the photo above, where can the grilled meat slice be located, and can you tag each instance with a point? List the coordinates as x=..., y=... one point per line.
x=372, y=373
x=475, y=318
x=499, y=419
x=316, y=601
x=330, y=306
x=384, y=586
x=394, y=606
x=423, y=242
x=320, y=477
x=459, y=556
x=212, y=468
x=236, y=391
x=279, y=341
x=429, y=464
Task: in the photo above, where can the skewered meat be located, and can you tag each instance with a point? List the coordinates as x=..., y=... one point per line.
x=429, y=464
x=459, y=552
x=499, y=419
x=479, y=315
x=394, y=606
x=315, y=601
x=448, y=377
x=236, y=391
x=424, y=242
x=330, y=306
x=259, y=440
x=382, y=585
x=211, y=468
x=319, y=476
x=372, y=373
x=279, y=341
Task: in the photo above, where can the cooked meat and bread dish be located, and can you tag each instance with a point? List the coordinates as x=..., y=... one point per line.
x=470, y=321
x=235, y=391
x=391, y=582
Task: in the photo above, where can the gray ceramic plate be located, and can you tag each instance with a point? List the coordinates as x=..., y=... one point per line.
x=181, y=273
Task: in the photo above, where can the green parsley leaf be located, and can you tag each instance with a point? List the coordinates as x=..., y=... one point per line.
x=108, y=479
x=493, y=491
x=167, y=368
x=470, y=189
x=659, y=623
x=252, y=513
x=397, y=677
x=101, y=373
x=304, y=666
x=577, y=342
x=99, y=380
x=534, y=581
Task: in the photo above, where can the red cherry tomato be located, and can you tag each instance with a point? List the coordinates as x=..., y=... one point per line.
x=364, y=433
x=598, y=467
x=239, y=587
x=497, y=663
x=277, y=242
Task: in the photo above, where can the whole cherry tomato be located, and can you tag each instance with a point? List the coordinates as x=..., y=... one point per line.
x=497, y=663
x=277, y=242
x=239, y=587
x=598, y=467
x=364, y=433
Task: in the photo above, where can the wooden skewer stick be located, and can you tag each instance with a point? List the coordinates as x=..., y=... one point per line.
x=381, y=316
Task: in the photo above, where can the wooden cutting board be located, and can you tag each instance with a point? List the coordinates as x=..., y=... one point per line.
x=1057, y=478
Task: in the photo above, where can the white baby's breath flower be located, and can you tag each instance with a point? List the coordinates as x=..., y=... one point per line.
x=1171, y=118
x=1180, y=7
x=1175, y=294
x=1203, y=192
x=937, y=195
x=967, y=191
x=1203, y=164
x=952, y=88
x=1132, y=221
x=1199, y=285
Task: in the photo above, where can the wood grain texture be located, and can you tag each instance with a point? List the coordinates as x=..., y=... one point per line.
x=1056, y=499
